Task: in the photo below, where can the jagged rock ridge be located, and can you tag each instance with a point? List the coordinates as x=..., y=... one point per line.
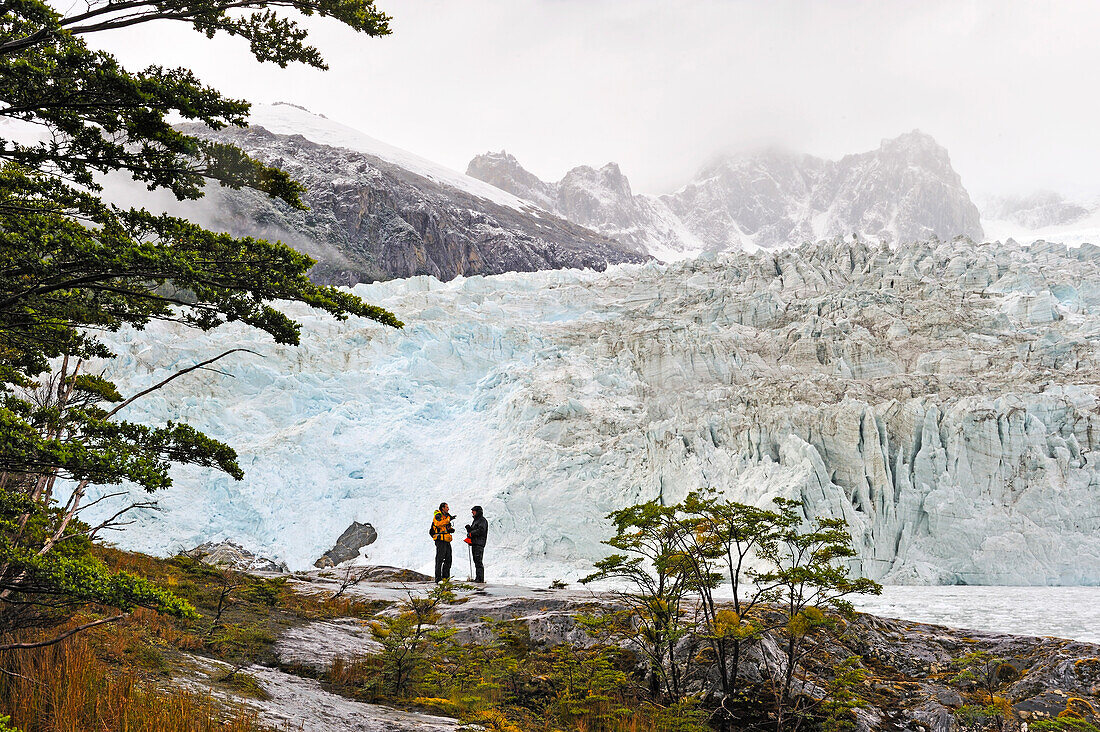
x=376, y=212
x=906, y=190
x=348, y=545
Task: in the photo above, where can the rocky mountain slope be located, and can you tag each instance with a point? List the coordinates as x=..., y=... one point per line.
x=377, y=212
x=944, y=398
x=906, y=190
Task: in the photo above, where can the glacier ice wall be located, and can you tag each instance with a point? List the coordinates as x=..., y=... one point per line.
x=942, y=397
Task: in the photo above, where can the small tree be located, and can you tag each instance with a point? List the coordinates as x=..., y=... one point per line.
x=410, y=638
x=809, y=573
x=843, y=696
x=987, y=673
x=654, y=566
x=724, y=534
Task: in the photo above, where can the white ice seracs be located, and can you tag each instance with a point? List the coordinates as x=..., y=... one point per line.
x=942, y=397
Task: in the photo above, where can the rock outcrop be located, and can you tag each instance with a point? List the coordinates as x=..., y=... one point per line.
x=905, y=190
x=234, y=556
x=911, y=668
x=348, y=545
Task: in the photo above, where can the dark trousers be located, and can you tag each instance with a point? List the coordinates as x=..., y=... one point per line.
x=442, y=560
x=479, y=564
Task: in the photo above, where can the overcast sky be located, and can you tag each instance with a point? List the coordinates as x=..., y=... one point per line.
x=1009, y=88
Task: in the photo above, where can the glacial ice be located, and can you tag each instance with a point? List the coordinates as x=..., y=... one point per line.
x=942, y=397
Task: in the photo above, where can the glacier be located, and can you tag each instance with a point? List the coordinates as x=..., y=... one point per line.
x=941, y=396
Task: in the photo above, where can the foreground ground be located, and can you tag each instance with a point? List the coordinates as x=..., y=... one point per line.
x=306, y=652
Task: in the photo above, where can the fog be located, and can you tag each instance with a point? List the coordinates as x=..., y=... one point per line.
x=660, y=87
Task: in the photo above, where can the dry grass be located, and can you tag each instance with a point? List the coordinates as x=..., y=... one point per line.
x=70, y=687
x=320, y=605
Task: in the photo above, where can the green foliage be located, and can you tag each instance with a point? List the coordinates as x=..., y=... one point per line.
x=246, y=685
x=983, y=670
x=992, y=716
x=844, y=696
x=265, y=591
x=1062, y=724
x=808, y=574
x=410, y=639
x=721, y=537
x=5, y=724
x=241, y=644
x=675, y=557
x=514, y=684
x=656, y=568
x=73, y=266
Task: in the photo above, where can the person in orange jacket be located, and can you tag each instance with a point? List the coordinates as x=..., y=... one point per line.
x=442, y=531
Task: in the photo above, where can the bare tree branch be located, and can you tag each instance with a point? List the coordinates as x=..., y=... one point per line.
x=63, y=636
x=176, y=375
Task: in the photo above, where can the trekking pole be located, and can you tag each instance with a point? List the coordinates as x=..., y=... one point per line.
x=470, y=553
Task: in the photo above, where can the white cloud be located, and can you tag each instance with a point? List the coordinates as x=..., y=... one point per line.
x=660, y=86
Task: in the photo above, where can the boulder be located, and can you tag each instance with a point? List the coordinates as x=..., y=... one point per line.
x=354, y=538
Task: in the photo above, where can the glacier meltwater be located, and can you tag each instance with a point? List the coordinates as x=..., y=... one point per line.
x=941, y=397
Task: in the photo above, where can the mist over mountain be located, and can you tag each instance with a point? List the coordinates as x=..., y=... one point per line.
x=906, y=190
x=1037, y=210
x=1042, y=215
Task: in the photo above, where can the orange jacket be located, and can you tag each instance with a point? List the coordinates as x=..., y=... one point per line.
x=441, y=526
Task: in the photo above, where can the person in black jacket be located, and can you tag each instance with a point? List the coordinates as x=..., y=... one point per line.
x=477, y=530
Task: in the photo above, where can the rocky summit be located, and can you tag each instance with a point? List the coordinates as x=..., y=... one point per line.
x=904, y=191
x=377, y=212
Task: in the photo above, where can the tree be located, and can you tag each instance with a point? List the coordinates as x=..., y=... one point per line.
x=653, y=565
x=727, y=533
x=72, y=266
x=986, y=672
x=410, y=638
x=843, y=696
x=809, y=573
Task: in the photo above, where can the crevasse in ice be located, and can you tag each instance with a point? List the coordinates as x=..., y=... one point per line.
x=942, y=397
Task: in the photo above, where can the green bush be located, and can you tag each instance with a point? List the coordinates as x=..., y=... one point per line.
x=1063, y=724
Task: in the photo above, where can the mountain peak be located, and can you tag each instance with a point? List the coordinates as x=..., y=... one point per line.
x=504, y=171
x=768, y=197
x=912, y=141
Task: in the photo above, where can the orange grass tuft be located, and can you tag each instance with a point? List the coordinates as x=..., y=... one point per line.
x=67, y=687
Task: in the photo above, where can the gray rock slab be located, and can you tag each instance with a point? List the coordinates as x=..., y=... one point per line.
x=317, y=644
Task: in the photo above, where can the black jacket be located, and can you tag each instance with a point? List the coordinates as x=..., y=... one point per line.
x=478, y=530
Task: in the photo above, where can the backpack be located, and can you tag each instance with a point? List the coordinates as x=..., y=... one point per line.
x=431, y=530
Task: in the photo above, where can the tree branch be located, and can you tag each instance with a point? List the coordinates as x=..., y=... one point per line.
x=63, y=636
x=176, y=375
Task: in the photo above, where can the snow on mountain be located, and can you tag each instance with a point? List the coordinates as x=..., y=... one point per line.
x=599, y=199
x=377, y=212
x=904, y=191
x=290, y=119
x=943, y=397
x=1035, y=211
